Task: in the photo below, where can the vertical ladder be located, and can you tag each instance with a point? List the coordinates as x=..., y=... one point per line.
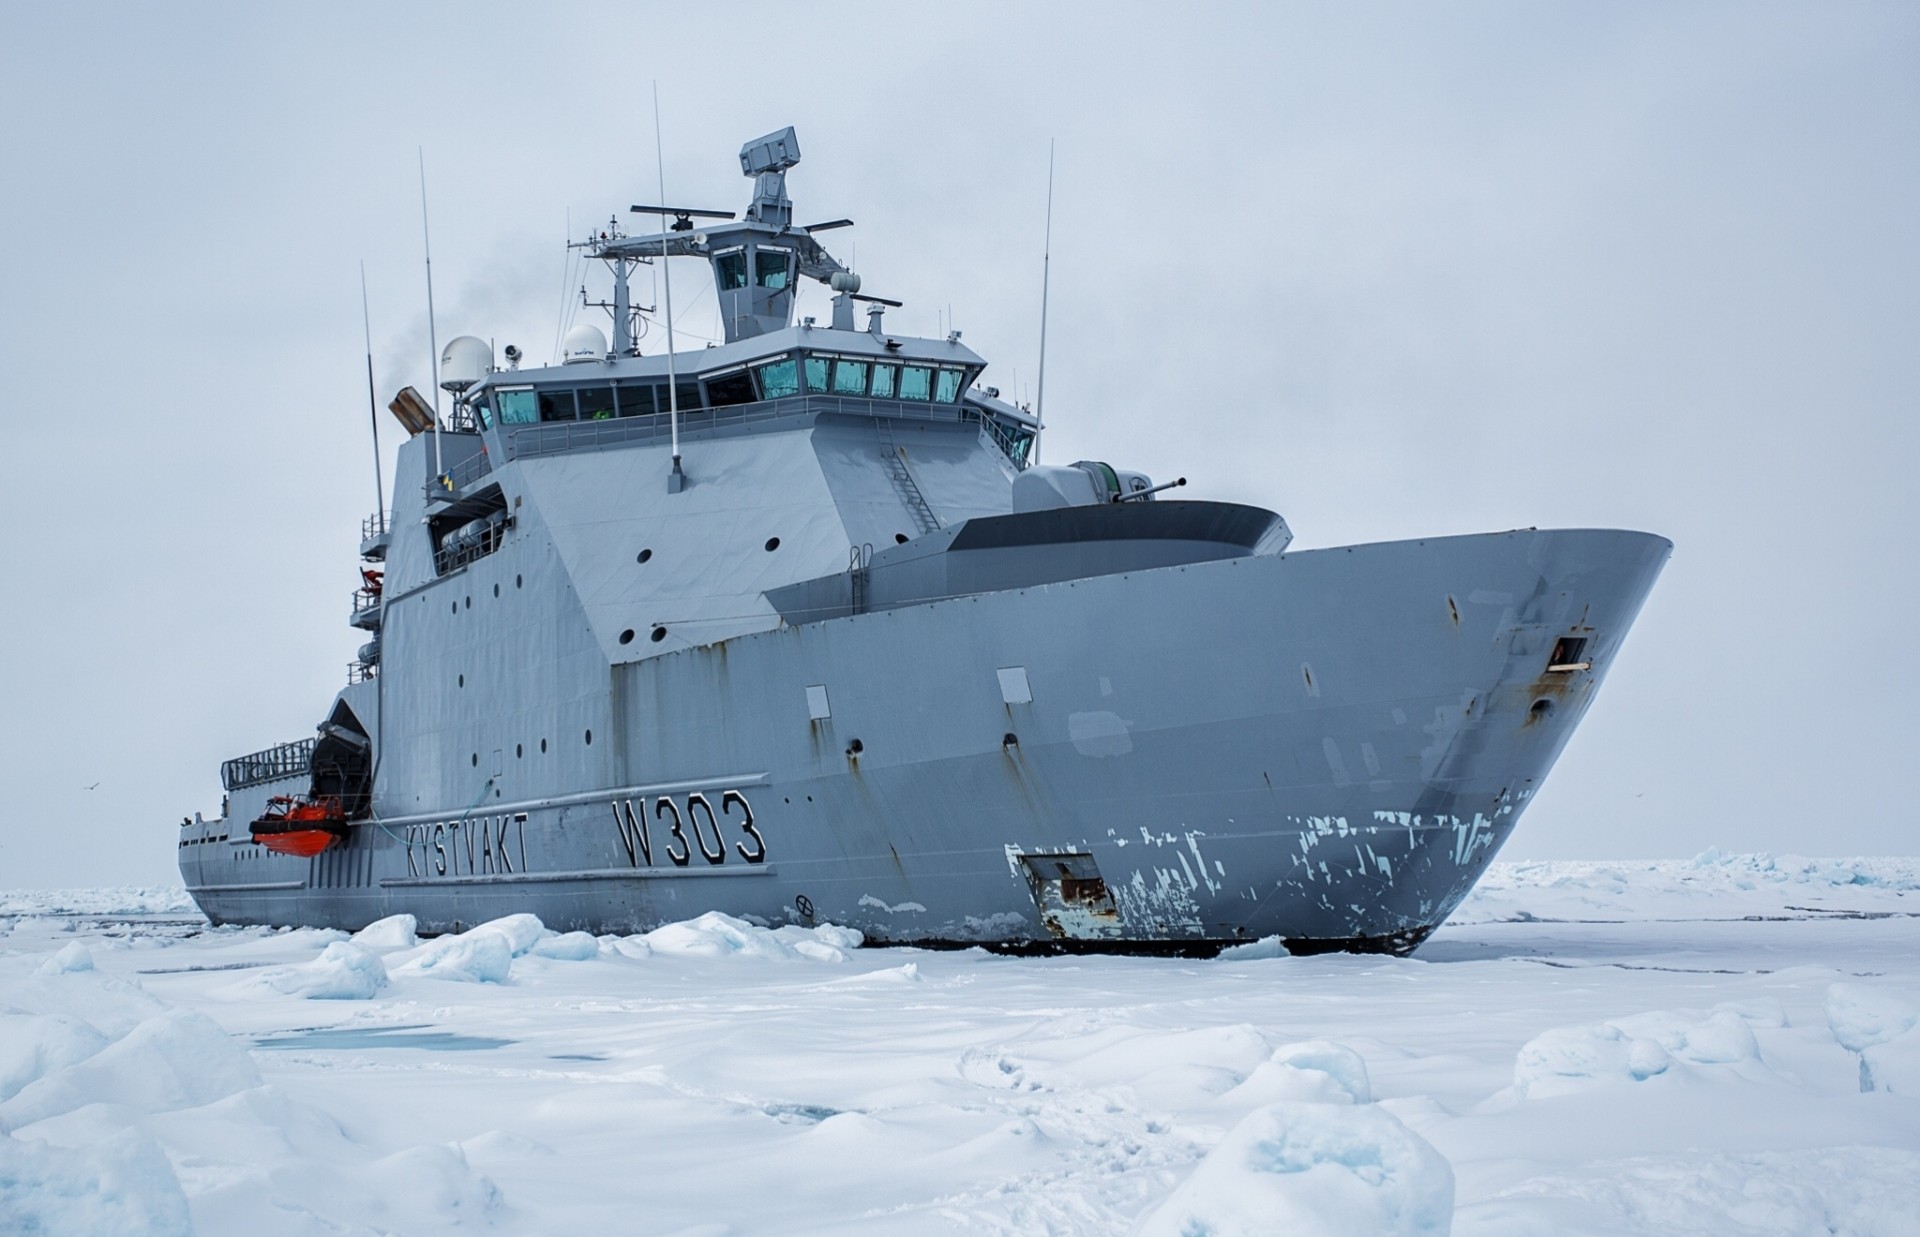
x=903, y=483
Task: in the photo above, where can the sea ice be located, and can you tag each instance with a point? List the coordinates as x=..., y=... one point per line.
x=393, y=932
x=342, y=972
x=1308, y=1170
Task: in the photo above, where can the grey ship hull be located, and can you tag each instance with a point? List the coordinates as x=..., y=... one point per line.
x=1328, y=746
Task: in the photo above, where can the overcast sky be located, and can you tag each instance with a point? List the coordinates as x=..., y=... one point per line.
x=1393, y=270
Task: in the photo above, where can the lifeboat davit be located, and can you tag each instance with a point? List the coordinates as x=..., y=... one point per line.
x=297, y=826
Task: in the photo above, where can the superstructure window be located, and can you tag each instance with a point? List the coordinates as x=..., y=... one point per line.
x=596, y=403
x=946, y=386
x=916, y=381
x=850, y=377
x=772, y=267
x=636, y=401
x=483, y=407
x=816, y=374
x=556, y=406
x=885, y=379
x=733, y=388
x=778, y=379
x=730, y=269
x=517, y=407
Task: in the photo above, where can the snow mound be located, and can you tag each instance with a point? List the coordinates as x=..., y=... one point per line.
x=393, y=932
x=178, y=1059
x=342, y=972
x=433, y=1187
x=1312, y=1169
x=1663, y=1044
x=1265, y=947
x=521, y=931
x=1879, y=1024
x=124, y=1185
x=35, y=1045
x=71, y=959
x=717, y=935
x=1861, y=1015
x=481, y=956
x=1566, y=1060
x=567, y=947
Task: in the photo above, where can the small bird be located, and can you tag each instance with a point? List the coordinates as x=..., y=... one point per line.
x=95, y=786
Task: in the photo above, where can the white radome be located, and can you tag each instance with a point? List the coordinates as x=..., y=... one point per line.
x=583, y=343
x=464, y=361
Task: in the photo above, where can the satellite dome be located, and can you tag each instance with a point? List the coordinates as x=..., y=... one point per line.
x=463, y=362
x=583, y=343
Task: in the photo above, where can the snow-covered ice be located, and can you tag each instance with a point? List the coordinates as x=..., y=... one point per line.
x=1727, y=1045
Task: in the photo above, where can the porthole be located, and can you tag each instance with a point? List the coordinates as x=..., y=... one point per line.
x=659, y=634
x=643, y=556
x=469, y=603
x=516, y=581
x=899, y=539
x=476, y=760
x=543, y=745
x=626, y=637
x=518, y=752
x=456, y=607
x=773, y=543
x=496, y=590
x=463, y=680
x=589, y=738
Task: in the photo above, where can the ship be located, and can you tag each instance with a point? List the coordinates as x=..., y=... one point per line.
x=797, y=627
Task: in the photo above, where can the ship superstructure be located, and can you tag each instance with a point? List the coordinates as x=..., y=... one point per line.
x=794, y=628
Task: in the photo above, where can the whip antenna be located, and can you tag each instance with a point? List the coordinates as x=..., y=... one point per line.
x=1046, y=277
x=433, y=339
x=677, y=480
x=373, y=405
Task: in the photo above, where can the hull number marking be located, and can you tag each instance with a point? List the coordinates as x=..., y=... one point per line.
x=697, y=826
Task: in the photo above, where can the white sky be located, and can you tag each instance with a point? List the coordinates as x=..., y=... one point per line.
x=1393, y=270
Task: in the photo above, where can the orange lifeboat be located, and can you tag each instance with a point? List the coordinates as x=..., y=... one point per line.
x=293, y=825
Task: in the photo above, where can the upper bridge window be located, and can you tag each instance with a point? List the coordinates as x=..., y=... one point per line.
x=885, y=378
x=596, y=403
x=850, y=377
x=730, y=270
x=517, y=407
x=916, y=381
x=556, y=405
x=772, y=268
x=778, y=379
x=816, y=374
x=730, y=388
x=946, y=385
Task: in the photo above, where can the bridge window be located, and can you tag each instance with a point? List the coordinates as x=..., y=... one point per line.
x=778, y=379
x=517, y=407
x=635, y=401
x=733, y=388
x=596, y=403
x=947, y=385
x=816, y=374
x=885, y=378
x=916, y=381
x=850, y=377
x=772, y=267
x=556, y=406
x=730, y=270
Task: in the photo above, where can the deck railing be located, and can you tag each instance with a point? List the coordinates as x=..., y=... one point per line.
x=275, y=763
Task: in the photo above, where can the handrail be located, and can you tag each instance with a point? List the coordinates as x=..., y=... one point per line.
x=560, y=437
x=281, y=761
x=374, y=525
